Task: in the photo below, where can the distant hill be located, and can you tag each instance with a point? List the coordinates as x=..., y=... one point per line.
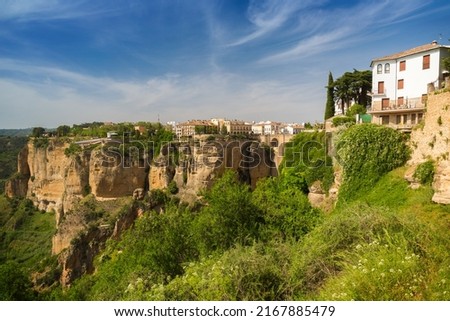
x=16, y=132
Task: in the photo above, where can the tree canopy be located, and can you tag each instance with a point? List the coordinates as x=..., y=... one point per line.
x=353, y=86
x=329, y=108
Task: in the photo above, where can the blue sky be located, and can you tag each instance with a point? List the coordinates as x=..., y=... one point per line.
x=66, y=62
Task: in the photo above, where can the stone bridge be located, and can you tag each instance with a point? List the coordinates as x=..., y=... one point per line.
x=278, y=143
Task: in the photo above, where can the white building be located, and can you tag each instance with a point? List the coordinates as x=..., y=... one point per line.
x=292, y=129
x=401, y=82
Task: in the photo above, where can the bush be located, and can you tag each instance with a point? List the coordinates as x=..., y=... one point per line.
x=367, y=152
x=257, y=272
x=72, y=150
x=172, y=188
x=14, y=283
x=229, y=217
x=306, y=160
x=343, y=120
x=424, y=172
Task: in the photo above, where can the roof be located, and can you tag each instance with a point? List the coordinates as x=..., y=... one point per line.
x=423, y=48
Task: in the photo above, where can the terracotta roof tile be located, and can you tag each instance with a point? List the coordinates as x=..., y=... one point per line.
x=408, y=52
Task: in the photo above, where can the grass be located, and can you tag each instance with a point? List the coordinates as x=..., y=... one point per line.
x=25, y=233
x=408, y=259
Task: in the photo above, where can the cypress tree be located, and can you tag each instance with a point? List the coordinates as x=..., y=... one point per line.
x=329, y=108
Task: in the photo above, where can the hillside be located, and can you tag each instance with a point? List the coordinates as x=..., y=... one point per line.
x=371, y=235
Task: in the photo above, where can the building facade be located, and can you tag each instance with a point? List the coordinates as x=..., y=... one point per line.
x=401, y=83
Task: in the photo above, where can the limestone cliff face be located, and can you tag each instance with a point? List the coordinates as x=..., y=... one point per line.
x=18, y=185
x=200, y=163
x=57, y=181
x=115, y=176
x=433, y=142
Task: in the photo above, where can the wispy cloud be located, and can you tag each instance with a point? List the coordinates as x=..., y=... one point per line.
x=332, y=29
x=26, y=10
x=51, y=96
x=268, y=15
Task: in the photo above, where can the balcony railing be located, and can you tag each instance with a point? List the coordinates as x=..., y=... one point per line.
x=413, y=103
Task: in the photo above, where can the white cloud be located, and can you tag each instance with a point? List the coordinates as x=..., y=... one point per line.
x=26, y=10
x=49, y=96
x=324, y=30
x=269, y=15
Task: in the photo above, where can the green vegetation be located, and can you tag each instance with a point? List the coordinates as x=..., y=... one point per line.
x=329, y=107
x=356, y=109
x=72, y=150
x=367, y=152
x=353, y=86
x=384, y=240
x=306, y=160
x=25, y=247
x=9, y=149
x=425, y=172
x=343, y=120
x=25, y=233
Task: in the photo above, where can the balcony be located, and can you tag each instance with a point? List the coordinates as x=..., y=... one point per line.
x=409, y=105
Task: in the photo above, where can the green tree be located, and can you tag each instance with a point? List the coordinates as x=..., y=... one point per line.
x=229, y=217
x=14, y=283
x=329, y=108
x=38, y=132
x=446, y=62
x=356, y=109
x=353, y=86
x=62, y=130
x=287, y=211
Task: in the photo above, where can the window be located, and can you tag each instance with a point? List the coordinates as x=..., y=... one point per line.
x=379, y=69
x=402, y=65
x=419, y=117
x=385, y=120
x=381, y=87
x=385, y=103
x=400, y=84
x=413, y=119
x=398, y=119
x=426, y=62
x=405, y=119
x=387, y=68
x=400, y=101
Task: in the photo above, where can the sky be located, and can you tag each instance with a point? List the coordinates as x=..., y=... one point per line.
x=69, y=62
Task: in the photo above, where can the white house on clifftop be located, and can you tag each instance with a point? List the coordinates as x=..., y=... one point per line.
x=402, y=81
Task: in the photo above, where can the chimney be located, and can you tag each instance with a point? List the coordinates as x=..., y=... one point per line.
x=434, y=42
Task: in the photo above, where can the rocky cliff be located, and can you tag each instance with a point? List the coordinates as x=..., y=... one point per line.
x=194, y=167
x=431, y=140
x=72, y=180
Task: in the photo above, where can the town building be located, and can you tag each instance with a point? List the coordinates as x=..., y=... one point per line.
x=401, y=83
x=195, y=127
x=292, y=129
x=237, y=127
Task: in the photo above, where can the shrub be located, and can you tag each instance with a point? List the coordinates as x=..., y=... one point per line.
x=424, y=172
x=366, y=152
x=257, y=272
x=343, y=120
x=229, y=218
x=73, y=149
x=172, y=188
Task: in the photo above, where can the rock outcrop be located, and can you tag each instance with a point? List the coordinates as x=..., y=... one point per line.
x=199, y=165
x=432, y=141
x=18, y=185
